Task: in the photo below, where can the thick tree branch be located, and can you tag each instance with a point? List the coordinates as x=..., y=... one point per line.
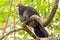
x=24, y=28
x=53, y=11
x=50, y=16
x=37, y=18
x=28, y=31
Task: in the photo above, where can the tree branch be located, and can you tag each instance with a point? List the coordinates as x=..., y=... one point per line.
x=28, y=31
x=50, y=17
x=7, y=18
x=53, y=11
x=37, y=18
x=11, y=32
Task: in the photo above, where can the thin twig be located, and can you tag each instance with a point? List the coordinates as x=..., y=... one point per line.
x=11, y=32
x=14, y=21
x=7, y=18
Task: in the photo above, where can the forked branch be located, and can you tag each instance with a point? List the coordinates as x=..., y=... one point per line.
x=53, y=11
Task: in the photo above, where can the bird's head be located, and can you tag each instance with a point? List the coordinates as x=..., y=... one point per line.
x=20, y=5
